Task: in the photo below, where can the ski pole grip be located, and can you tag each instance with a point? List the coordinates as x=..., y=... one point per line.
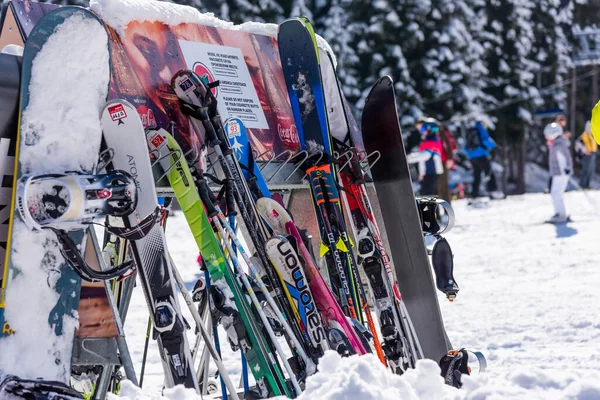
x=207, y=197
x=210, y=132
x=329, y=182
x=229, y=200
x=315, y=184
x=220, y=131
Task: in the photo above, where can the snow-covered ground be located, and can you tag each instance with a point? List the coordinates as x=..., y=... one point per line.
x=528, y=301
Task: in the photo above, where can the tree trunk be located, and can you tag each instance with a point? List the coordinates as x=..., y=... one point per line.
x=521, y=161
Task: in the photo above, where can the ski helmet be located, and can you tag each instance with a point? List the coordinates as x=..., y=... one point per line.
x=552, y=131
x=430, y=125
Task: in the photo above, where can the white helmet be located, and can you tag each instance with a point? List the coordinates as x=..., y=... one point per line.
x=552, y=131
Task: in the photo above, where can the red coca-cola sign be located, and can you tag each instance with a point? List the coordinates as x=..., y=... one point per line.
x=146, y=115
x=287, y=131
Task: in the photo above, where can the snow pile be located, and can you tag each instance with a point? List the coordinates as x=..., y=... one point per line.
x=365, y=378
x=119, y=13
x=66, y=135
x=61, y=128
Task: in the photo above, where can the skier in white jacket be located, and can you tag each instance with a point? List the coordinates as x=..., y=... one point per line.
x=561, y=168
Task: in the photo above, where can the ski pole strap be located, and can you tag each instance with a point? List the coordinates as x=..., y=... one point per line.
x=138, y=231
x=70, y=252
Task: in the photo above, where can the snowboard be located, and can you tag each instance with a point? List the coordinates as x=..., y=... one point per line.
x=125, y=138
x=381, y=132
x=36, y=340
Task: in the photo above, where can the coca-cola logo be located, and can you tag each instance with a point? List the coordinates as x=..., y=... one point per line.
x=288, y=135
x=146, y=115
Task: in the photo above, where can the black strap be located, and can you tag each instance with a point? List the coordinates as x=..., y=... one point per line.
x=71, y=253
x=138, y=231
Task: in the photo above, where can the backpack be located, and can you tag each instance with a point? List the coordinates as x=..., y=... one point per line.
x=473, y=139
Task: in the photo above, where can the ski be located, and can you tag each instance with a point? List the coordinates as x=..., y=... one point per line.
x=341, y=335
x=124, y=136
x=299, y=52
x=400, y=343
x=285, y=259
x=236, y=315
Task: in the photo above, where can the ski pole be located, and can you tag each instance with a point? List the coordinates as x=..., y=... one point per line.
x=310, y=365
x=145, y=351
x=190, y=303
x=240, y=273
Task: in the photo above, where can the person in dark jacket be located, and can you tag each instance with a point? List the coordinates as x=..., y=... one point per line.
x=430, y=167
x=448, y=149
x=478, y=147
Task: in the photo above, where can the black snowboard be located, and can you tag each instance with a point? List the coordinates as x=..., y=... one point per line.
x=381, y=132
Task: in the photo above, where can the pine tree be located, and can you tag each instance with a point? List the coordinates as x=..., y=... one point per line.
x=239, y=11
x=508, y=38
x=382, y=34
x=449, y=71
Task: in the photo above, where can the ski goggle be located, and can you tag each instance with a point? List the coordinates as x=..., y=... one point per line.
x=430, y=127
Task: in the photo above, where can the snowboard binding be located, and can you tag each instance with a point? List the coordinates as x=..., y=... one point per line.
x=457, y=363
x=65, y=199
x=13, y=387
x=437, y=215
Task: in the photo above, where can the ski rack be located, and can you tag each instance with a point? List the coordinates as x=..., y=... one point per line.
x=281, y=171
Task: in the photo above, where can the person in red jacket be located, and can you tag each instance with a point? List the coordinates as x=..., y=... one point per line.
x=430, y=167
x=448, y=149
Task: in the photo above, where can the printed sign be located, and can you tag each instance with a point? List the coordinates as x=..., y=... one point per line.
x=237, y=94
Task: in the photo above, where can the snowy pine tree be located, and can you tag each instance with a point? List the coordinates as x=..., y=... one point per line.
x=382, y=33
x=508, y=38
x=450, y=73
x=239, y=11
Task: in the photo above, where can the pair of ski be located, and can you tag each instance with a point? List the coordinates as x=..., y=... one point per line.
x=325, y=132
x=281, y=252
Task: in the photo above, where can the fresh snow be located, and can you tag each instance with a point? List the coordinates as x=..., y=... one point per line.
x=64, y=137
x=119, y=13
x=528, y=301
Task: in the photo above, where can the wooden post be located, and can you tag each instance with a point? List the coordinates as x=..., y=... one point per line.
x=595, y=71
